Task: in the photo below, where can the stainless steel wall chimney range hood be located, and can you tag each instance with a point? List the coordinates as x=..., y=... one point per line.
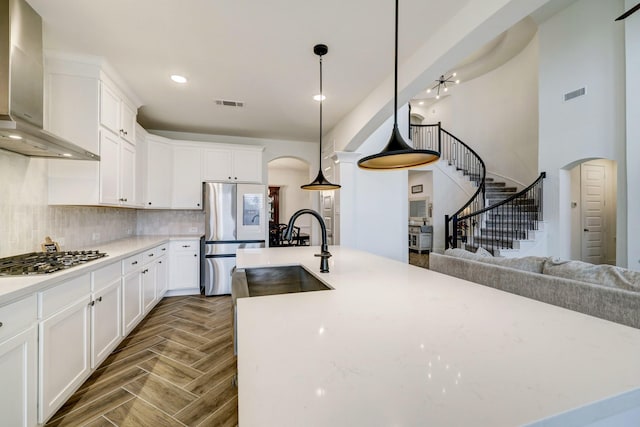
x=22, y=87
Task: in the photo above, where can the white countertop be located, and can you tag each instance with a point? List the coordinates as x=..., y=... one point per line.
x=14, y=287
x=398, y=345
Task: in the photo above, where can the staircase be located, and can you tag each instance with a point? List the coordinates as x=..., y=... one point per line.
x=497, y=217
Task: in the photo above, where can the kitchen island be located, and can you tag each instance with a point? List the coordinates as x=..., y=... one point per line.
x=396, y=345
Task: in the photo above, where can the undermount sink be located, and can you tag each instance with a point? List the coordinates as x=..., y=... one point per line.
x=257, y=282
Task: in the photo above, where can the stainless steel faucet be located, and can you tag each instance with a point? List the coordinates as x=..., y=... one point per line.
x=324, y=251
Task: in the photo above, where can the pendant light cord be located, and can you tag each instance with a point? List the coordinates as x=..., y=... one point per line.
x=321, y=112
x=395, y=87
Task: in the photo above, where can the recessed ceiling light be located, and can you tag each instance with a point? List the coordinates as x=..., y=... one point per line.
x=421, y=103
x=178, y=79
x=319, y=97
x=15, y=137
x=67, y=155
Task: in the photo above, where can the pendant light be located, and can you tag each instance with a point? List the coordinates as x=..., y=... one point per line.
x=397, y=154
x=320, y=183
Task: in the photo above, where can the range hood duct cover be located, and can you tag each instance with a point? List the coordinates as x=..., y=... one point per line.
x=22, y=87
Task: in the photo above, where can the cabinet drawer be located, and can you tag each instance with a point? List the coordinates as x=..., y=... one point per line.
x=106, y=275
x=131, y=264
x=163, y=249
x=17, y=316
x=185, y=245
x=56, y=298
x=150, y=255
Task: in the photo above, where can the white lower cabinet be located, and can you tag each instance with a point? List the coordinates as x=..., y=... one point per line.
x=184, y=271
x=148, y=287
x=18, y=363
x=64, y=342
x=106, y=312
x=131, y=300
x=162, y=276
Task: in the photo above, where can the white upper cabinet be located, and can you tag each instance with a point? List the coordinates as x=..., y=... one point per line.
x=159, y=173
x=85, y=106
x=233, y=164
x=116, y=114
x=187, y=178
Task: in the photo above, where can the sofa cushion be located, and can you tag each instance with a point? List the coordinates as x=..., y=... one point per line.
x=606, y=275
x=483, y=252
x=532, y=264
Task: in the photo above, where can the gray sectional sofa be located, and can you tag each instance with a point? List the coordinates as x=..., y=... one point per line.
x=603, y=291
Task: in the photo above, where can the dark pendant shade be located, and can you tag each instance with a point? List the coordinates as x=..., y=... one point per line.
x=320, y=183
x=398, y=155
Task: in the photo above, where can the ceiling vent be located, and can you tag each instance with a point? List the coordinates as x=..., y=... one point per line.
x=574, y=94
x=227, y=103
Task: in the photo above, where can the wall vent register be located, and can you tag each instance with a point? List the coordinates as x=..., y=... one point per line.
x=45, y=262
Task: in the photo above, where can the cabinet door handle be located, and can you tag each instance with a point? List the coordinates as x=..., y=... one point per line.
x=149, y=203
x=150, y=254
x=195, y=254
x=186, y=246
x=163, y=249
x=99, y=299
x=134, y=263
x=159, y=262
x=229, y=177
x=92, y=303
x=1, y=324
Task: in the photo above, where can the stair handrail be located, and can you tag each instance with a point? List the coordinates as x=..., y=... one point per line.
x=532, y=193
x=469, y=163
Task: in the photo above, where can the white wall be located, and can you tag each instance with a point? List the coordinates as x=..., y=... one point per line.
x=373, y=205
x=25, y=217
x=581, y=47
x=497, y=116
x=632, y=202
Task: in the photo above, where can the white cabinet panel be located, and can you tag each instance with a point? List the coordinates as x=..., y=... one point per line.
x=18, y=363
x=127, y=168
x=233, y=165
x=18, y=367
x=106, y=321
x=247, y=166
x=162, y=276
x=64, y=356
x=187, y=178
x=218, y=165
x=131, y=301
x=109, y=169
x=159, y=171
x=184, y=268
x=109, y=108
x=149, y=286
x=127, y=122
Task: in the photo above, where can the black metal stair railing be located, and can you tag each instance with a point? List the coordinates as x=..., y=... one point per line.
x=455, y=153
x=499, y=225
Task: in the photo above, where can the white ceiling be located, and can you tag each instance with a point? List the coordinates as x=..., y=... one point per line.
x=258, y=52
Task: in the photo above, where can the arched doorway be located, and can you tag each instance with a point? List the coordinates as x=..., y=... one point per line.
x=593, y=210
x=285, y=175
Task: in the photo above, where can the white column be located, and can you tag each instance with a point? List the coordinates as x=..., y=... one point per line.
x=346, y=207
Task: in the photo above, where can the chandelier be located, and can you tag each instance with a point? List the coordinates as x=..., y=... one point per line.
x=442, y=84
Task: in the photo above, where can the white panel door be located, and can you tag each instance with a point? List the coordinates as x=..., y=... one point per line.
x=131, y=301
x=106, y=322
x=109, y=108
x=148, y=286
x=592, y=193
x=127, y=168
x=159, y=176
x=247, y=166
x=64, y=356
x=187, y=178
x=18, y=369
x=109, y=168
x=218, y=165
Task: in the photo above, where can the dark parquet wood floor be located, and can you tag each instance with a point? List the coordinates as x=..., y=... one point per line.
x=177, y=368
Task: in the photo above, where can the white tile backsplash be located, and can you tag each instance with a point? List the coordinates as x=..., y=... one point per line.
x=170, y=222
x=26, y=219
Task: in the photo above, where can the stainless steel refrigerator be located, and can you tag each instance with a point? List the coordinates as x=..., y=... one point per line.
x=235, y=218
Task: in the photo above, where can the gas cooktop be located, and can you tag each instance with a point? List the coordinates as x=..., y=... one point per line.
x=45, y=262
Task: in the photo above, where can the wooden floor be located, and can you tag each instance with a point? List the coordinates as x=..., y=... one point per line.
x=421, y=260
x=176, y=368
